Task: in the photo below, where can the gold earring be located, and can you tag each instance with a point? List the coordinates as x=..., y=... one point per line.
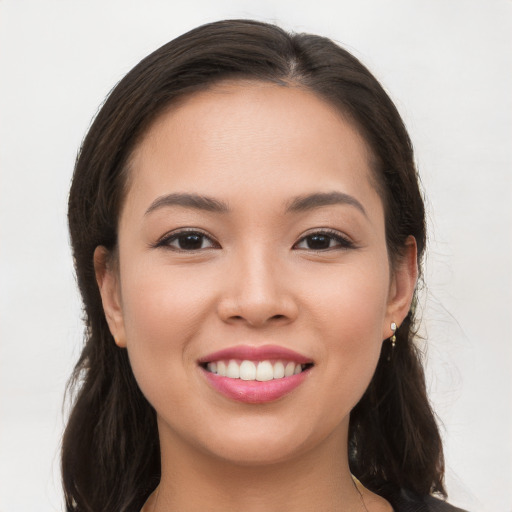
x=393, y=336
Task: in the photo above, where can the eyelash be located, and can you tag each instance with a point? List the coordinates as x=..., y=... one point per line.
x=344, y=243
x=166, y=240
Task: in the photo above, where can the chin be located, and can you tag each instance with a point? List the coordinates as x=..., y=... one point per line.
x=264, y=442
x=257, y=453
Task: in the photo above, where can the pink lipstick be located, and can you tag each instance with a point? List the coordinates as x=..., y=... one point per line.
x=255, y=374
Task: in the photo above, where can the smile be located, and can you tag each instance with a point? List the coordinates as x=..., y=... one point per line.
x=255, y=375
x=261, y=371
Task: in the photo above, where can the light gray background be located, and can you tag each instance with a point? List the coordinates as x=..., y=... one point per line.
x=448, y=66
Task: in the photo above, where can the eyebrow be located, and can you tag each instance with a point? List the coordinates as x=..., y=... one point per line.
x=319, y=199
x=193, y=201
x=297, y=204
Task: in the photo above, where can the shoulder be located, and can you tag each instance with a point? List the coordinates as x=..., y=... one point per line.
x=410, y=502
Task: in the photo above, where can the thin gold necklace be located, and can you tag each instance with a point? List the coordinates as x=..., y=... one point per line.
x=355, y=481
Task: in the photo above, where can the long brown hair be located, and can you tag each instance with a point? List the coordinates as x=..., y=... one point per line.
x=110, y=452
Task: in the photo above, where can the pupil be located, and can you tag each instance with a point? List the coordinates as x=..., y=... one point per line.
x=190, y=242
x=318, y=242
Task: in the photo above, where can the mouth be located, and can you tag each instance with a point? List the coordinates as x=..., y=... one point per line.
x=255, y=374
x=260, y=371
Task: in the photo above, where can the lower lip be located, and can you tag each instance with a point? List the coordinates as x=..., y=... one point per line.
x=255, y=392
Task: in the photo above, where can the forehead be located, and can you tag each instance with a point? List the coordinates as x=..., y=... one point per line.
x=254, y=138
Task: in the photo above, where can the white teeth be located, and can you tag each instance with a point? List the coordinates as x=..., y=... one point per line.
x=250, y=370
x=290, y=368
x=265, y=371
x=233, y=370
x=278, y=370
x=221, y=368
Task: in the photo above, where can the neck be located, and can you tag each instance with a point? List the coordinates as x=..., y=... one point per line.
x=316, y=480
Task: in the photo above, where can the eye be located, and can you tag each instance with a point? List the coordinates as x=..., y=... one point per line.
x=187, y=241
x=323, y=241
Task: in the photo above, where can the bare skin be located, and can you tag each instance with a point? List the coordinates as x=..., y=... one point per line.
x=256, y=275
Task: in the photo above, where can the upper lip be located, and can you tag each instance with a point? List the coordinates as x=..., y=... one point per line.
x=259, y=353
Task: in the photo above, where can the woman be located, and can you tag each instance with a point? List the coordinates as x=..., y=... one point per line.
x=248, y=230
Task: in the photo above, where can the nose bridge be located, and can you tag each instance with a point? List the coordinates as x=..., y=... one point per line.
x=256, y=290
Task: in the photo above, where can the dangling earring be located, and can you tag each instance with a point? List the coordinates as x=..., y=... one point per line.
x=393, y=336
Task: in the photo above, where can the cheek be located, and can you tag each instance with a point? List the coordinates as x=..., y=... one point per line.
x=351, y=300
x=163, y=311
x=349, y=310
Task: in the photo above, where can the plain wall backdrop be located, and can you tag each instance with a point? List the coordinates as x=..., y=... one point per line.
x=447, y=65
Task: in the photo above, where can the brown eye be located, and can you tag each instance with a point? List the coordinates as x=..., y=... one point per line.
x=190, y=242
x=318, y=242
x=187, y=241
x=322, y=241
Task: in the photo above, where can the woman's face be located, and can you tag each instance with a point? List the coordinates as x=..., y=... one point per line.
x=252, y=231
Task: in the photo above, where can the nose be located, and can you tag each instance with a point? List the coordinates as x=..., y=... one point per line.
x=257, y=292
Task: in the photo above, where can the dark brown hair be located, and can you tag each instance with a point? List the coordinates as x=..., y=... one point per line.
x=110, y=452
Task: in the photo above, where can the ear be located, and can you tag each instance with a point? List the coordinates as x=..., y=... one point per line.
x=107, y=277
x=402, y=286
